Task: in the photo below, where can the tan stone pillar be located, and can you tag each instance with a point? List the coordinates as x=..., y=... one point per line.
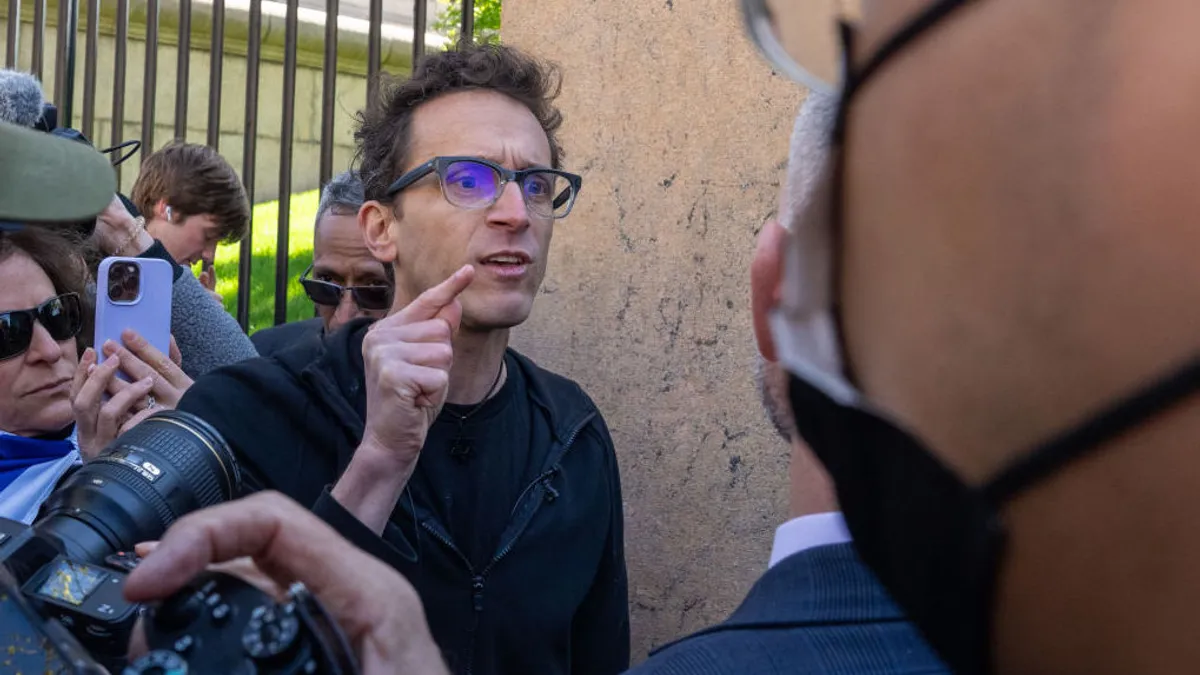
x=680, y=131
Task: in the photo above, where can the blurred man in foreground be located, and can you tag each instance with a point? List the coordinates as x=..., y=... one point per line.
x=989, y=322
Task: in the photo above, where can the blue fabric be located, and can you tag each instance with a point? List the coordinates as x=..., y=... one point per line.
x=18, y=453
x=818, y=612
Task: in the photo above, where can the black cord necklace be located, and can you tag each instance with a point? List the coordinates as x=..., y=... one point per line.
x=461, y=446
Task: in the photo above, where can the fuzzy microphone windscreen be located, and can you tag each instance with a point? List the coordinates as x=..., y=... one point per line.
x=21, y=98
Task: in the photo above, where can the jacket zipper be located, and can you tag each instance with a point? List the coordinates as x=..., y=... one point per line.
x=477, y=580
x=544, y=476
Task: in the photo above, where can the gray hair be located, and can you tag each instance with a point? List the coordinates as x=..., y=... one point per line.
x=343, y=195
x=811, y=137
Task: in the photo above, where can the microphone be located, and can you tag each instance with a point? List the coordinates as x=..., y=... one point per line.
x=21, y=98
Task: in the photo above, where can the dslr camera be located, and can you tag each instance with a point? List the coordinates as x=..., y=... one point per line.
x=62, y=608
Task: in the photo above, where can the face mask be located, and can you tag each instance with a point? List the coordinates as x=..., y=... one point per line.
x=935, y=542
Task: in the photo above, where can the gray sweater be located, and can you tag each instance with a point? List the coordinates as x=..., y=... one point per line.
x=208, y=337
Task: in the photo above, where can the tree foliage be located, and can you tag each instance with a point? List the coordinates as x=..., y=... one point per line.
x=487, y=21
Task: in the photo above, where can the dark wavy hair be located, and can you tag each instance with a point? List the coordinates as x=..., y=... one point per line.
x=64, y=257
x=384, y=126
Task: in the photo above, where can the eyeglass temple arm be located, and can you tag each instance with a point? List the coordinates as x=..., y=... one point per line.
x=411, y=177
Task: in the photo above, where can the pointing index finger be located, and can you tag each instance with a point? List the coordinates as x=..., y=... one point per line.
x=433, y=301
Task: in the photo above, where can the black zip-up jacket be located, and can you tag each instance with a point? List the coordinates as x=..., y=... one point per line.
x=552, y=599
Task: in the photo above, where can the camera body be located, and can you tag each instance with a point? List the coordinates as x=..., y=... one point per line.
x=70, y=616
x=62, y=579
x=221, y=624
x=84, y=597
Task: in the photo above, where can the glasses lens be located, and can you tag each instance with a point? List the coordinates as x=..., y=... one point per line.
x=322, y=292
x=470, y=185
x=16, y=331
x=62, y=317
x=800, y=37
x=548, y=194
x=372, y=297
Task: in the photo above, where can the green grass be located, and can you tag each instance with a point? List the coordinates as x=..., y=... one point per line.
x=262, y=265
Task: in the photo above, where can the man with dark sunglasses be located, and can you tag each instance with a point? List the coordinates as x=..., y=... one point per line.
x=988, y=321
x=345, y=281
x=510, y=525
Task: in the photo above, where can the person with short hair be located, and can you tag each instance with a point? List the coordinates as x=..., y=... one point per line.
x=192, y=200
x=345, y=281
x=510, y=525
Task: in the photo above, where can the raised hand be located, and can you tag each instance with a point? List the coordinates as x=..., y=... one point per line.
x=407, y=359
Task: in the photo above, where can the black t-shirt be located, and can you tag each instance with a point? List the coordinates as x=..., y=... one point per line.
x=473, y=494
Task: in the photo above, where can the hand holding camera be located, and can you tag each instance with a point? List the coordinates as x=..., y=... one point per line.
x=378, y=610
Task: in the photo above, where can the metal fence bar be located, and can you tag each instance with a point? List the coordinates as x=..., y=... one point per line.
x=285, y=160
x=64, y=63
x=120, y=62
x=182, y=68
x=374, y=49
x=420, y=19
x=89, y=68
x=329, y=90
x=39, y=38
x=215, y=68
x=467, y=36
x=12, y=50
x=150, y=79
x=249, y=150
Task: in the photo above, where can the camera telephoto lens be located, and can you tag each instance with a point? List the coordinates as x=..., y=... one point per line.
x=171, y=464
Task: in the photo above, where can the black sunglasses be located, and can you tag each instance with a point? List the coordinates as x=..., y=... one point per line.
x=475, y=183
x=61, y=316
x=330, y=294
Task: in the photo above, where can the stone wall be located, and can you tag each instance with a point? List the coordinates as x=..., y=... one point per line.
x=681, y=132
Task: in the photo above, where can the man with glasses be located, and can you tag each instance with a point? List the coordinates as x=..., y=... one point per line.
x=989, y=321
x=510, y=524
x=345, y=281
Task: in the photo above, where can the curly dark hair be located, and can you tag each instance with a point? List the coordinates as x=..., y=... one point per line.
x=383, y=130
x=63, y=256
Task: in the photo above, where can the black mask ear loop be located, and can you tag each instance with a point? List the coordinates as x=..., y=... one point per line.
x=853, y=81
x=1106, y=425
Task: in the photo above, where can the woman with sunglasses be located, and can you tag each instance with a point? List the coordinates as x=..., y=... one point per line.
x=52, y=408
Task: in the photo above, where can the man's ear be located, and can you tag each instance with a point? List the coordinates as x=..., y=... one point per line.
x=766, y=275
x=375, y=223
x=160, y=210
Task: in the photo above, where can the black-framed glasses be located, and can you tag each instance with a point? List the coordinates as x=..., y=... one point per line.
x=373, y=298
x=475, y=183
x=61, y=316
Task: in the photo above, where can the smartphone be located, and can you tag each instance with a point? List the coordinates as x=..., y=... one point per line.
x=133, y=293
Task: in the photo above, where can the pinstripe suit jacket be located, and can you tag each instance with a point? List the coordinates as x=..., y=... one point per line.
x=818, y=611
